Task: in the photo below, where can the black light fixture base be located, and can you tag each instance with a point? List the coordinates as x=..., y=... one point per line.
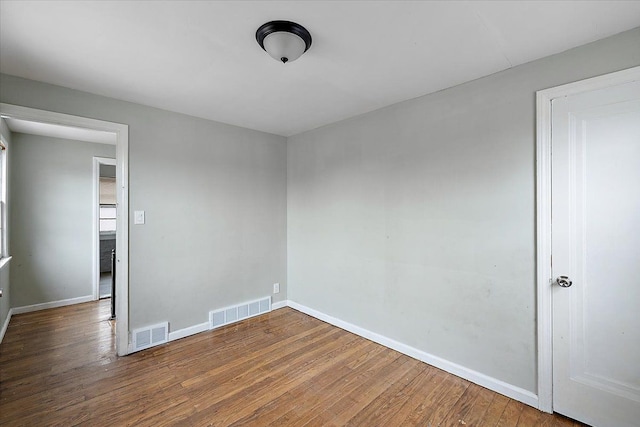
x=286, y=26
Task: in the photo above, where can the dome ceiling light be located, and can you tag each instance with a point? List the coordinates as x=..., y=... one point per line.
x=284, y=40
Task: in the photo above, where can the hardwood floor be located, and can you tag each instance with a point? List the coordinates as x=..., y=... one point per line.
x=58, y=367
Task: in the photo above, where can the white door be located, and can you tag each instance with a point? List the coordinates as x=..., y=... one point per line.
x=596, y=244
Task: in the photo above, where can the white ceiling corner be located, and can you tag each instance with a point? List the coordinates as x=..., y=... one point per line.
x=201, y=58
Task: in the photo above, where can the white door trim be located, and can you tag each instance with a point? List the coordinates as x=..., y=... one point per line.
x=97, y=161
x=122, y=196
x=543, y=219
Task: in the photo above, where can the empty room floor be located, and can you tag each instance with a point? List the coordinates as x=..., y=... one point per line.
x=58, y=367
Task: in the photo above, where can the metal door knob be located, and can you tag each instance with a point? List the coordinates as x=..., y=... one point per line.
x=564, y=281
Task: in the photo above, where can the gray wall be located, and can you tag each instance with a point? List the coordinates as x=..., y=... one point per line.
x=417, y=221
x=215, y=231
x=52, y=218
x=5, y=284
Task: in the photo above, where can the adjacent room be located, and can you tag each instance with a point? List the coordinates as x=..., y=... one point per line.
x=369, y=213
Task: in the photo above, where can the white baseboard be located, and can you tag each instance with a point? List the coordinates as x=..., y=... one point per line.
x=279, y=304
x=483, y=380
x=203, y=327
x=191, y=330
x=52, y=304
x=6, y=324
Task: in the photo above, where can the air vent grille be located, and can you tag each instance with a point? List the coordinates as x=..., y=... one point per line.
x=150, y=336
x=227, y=315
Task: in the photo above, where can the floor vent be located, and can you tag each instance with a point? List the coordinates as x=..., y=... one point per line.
x=227, y=315
x=150, y=336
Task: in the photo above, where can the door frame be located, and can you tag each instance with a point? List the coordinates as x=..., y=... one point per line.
x=544, y=279
x=122, y=199
x=97, y=161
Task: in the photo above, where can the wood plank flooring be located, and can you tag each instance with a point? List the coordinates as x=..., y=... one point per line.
x=58, y=367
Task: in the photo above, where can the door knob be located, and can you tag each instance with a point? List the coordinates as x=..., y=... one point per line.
x=564, y=281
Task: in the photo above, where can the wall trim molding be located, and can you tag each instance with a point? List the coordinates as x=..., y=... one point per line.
x=188, y=331
x=280, y=304
x=204, y=327
x=544, y=272
x=494, y=384
x=6, y=324
x=481, y=379
x=51, y=304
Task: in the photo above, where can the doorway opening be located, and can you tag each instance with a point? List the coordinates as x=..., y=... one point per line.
x=104, y=227
x=118, y=134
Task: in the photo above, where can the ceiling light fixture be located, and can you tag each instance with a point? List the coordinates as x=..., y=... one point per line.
x=284, y=40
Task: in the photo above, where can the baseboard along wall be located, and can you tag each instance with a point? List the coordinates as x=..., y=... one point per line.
x=191, y=330
x=52, y=304
x=42, y=306
x=279, y=304
x=475, y=377
x=479, y=378
x=6, y=324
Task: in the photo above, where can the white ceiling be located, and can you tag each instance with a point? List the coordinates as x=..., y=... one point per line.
x=60, y=131
x=201, y=58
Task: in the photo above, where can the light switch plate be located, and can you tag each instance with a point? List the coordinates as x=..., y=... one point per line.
x=138, y=217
